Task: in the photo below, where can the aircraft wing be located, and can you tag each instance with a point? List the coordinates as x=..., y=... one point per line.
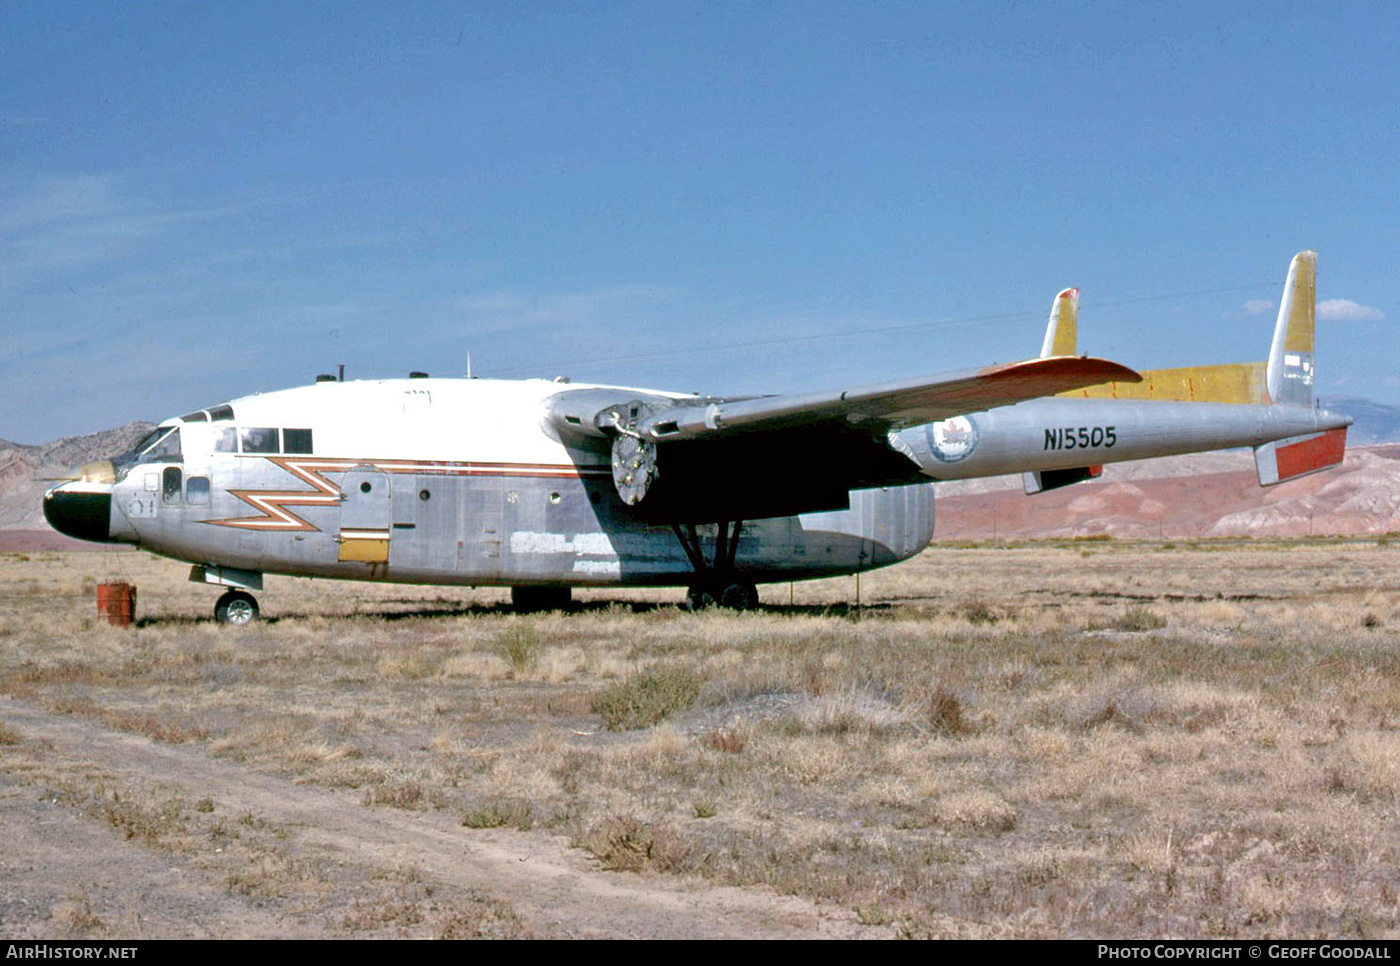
x=889, y=405
x=695, y=458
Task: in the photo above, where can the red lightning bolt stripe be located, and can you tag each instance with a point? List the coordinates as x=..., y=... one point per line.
x=272, y=504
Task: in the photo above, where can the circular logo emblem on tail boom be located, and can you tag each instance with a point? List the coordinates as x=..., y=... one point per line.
x=952, y=440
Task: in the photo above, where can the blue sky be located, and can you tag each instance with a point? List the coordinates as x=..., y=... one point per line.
x=199, y=201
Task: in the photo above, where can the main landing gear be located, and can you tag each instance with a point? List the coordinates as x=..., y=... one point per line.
x=237, y=608
x=716, y=582
x=529, y=600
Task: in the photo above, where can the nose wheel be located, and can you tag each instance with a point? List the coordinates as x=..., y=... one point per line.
x=236, y=608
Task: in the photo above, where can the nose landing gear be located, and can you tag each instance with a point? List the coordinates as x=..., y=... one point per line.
x=236, y=608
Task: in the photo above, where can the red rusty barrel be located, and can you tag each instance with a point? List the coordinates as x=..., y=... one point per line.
x=117, y=603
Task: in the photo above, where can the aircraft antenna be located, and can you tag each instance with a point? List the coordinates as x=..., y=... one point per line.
x=469, y=365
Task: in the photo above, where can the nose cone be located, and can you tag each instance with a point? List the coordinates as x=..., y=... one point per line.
x=83, y=511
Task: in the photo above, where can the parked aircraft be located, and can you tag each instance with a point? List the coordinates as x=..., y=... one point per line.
x=546, y=485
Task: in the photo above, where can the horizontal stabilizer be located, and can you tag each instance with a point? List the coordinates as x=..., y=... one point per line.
x=1231, y=383
x=1288, y=459
x=1038, y=481
x=1286, y=377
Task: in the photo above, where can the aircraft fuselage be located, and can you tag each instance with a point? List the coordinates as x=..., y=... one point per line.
x=450, y=481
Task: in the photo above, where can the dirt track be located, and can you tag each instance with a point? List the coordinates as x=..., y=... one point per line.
x=56, y=858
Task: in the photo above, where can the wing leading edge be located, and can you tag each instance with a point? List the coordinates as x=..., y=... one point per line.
x=890, y=405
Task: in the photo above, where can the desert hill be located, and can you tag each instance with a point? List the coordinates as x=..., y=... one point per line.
x=22, y=483
x=1202, y=495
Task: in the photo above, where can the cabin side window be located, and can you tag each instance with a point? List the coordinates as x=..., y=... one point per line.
x=296, y=441
x=262, y=439
x=197, y=491
x=258, y=439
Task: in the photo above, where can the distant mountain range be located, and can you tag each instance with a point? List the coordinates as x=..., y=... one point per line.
x=1204, y=494
x=1375, y=422
x=23, y=468
x=1201, y=495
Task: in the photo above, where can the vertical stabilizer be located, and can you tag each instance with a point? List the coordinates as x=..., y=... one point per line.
x=1289, y=381
x=1061, y=339
x=1062, y=332
x=1289, y=376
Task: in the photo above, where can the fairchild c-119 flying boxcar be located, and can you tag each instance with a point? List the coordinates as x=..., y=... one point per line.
x=542, y=486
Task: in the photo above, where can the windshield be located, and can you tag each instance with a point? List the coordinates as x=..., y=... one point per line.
x=160, y=445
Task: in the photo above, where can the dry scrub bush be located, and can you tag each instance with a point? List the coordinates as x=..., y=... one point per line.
x=731, y=740
x=626, y=843
x=157, y=825
x=646, y=698
x=410, y=794
x=1368, y=767
x=1139, y=619
x=978, y=611
x=850, y=711
x=520, y=645
x=514, y=813
x=976, y=808
x=76, y=920
x=481, y=917
x=945, y=713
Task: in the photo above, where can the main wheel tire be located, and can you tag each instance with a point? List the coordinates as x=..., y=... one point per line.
x=739, y=596
x=700, y=598
x=236, y=608
x=530, y=599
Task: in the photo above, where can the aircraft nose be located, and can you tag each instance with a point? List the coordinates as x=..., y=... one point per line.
x=81, y=510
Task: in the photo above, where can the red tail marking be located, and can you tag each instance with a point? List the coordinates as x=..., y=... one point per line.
x=1311, y=454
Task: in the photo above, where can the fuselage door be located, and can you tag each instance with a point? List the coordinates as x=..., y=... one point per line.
x=364, y=516
x=480, y=529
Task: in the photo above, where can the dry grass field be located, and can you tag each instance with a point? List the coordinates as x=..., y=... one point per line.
x=1059, y=739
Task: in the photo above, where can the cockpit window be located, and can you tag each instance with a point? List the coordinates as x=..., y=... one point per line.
x=199, y=417
x=220, y=414
x=226, y=440
x=161, y=445
x=257, y=439
x=149, y=439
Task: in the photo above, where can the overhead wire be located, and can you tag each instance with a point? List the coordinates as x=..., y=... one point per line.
x=860, y=332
